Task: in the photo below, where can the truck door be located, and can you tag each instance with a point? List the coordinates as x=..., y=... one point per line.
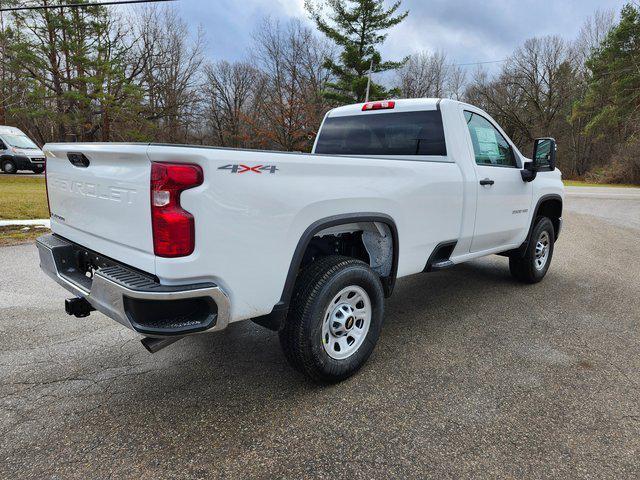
x=503, y=198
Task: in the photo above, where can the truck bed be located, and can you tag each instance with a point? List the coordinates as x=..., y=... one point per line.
x=252, y=205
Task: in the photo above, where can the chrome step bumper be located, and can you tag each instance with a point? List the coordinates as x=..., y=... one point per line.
x=134, y=299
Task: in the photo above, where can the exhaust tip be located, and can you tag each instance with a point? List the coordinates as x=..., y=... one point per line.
x=154, y=345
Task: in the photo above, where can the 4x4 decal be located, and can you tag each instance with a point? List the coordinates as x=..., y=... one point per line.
x=240, y=168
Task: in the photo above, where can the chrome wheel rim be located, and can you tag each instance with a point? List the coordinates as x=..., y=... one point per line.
x=542, y=250
x=346, y=322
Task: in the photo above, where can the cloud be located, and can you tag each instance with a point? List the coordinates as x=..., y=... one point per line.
x=476, y=31
x=228, y=24
x=465, y=30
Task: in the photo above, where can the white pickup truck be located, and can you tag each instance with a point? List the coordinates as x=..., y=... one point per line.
x=174, y=240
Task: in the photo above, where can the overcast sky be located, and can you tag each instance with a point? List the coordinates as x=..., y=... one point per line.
x=466, y=30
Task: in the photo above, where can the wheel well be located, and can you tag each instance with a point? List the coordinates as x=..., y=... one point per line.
x=552, y=209
x=348, y=244
x=548, y=206
x=370, y=242
x=370, y=237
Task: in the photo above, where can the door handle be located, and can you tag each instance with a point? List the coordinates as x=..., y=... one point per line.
x=486, y=181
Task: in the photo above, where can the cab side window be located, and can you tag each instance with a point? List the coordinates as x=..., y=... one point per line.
x=2, y=145
x=489, y=146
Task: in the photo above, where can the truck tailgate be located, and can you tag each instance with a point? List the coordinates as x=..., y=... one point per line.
x=99, y=197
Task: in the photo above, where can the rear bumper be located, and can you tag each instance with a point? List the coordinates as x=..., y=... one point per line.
x=132, y=298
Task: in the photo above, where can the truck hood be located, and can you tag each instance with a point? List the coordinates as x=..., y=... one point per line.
x=28, y=152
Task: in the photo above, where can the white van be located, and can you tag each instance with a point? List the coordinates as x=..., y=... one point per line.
x=19, y=152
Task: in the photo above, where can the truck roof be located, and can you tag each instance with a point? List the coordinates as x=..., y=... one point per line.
x=400, y=105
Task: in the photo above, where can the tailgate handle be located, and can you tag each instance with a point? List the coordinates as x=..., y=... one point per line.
x=78, y=159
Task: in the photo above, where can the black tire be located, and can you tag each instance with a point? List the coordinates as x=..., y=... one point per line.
x=316, y=287
x=9, y=166
x=37, y=170
x=527, y=269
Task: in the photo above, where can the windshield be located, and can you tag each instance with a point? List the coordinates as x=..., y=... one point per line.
x=19, y=141
x=401, y=133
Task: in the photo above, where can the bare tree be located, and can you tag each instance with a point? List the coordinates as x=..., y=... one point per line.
x=428, y=74
x=171, y=73
x=231, y=93
x=534, y=89
x=456, y=82
x=4, y=71
x=587, y=150
x=533, y=97
x=292, y=59
x=91, y=74
x=424, y=75
x=592, y=33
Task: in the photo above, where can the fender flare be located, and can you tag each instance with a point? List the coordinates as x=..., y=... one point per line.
x=275, y=319
x=551, y=196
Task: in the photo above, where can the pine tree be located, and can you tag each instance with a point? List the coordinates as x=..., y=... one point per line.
x=356, y=26
x=77, y=71
x=612, y=101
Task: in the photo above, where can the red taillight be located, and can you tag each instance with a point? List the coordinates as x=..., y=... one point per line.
x=173, y=226
x=386, y=104
x=46, y=187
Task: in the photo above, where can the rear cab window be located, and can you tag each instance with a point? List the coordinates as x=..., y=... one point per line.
x=390, y=133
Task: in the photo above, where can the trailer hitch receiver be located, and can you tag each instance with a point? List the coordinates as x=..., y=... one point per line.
x=78, y=307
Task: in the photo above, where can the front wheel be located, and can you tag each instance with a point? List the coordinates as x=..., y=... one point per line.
x=335, y=319
x=537, y=258
x=38, y=170
x=9, y=166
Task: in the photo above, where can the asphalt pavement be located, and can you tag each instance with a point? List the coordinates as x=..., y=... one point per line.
x=613, y=205
x=474, y=376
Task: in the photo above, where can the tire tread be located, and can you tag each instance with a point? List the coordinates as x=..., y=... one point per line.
x=307, y=289
x=522, y=268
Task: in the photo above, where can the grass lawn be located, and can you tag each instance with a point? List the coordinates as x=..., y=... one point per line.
x=579, y=183
x=22, y=198
x=15, y=235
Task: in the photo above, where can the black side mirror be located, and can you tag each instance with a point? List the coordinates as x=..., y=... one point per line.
x=529, y=172
x=544, y=154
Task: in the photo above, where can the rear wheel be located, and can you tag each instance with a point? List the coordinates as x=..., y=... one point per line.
x=9, y=166
x=536, y=261
x=335, y=319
